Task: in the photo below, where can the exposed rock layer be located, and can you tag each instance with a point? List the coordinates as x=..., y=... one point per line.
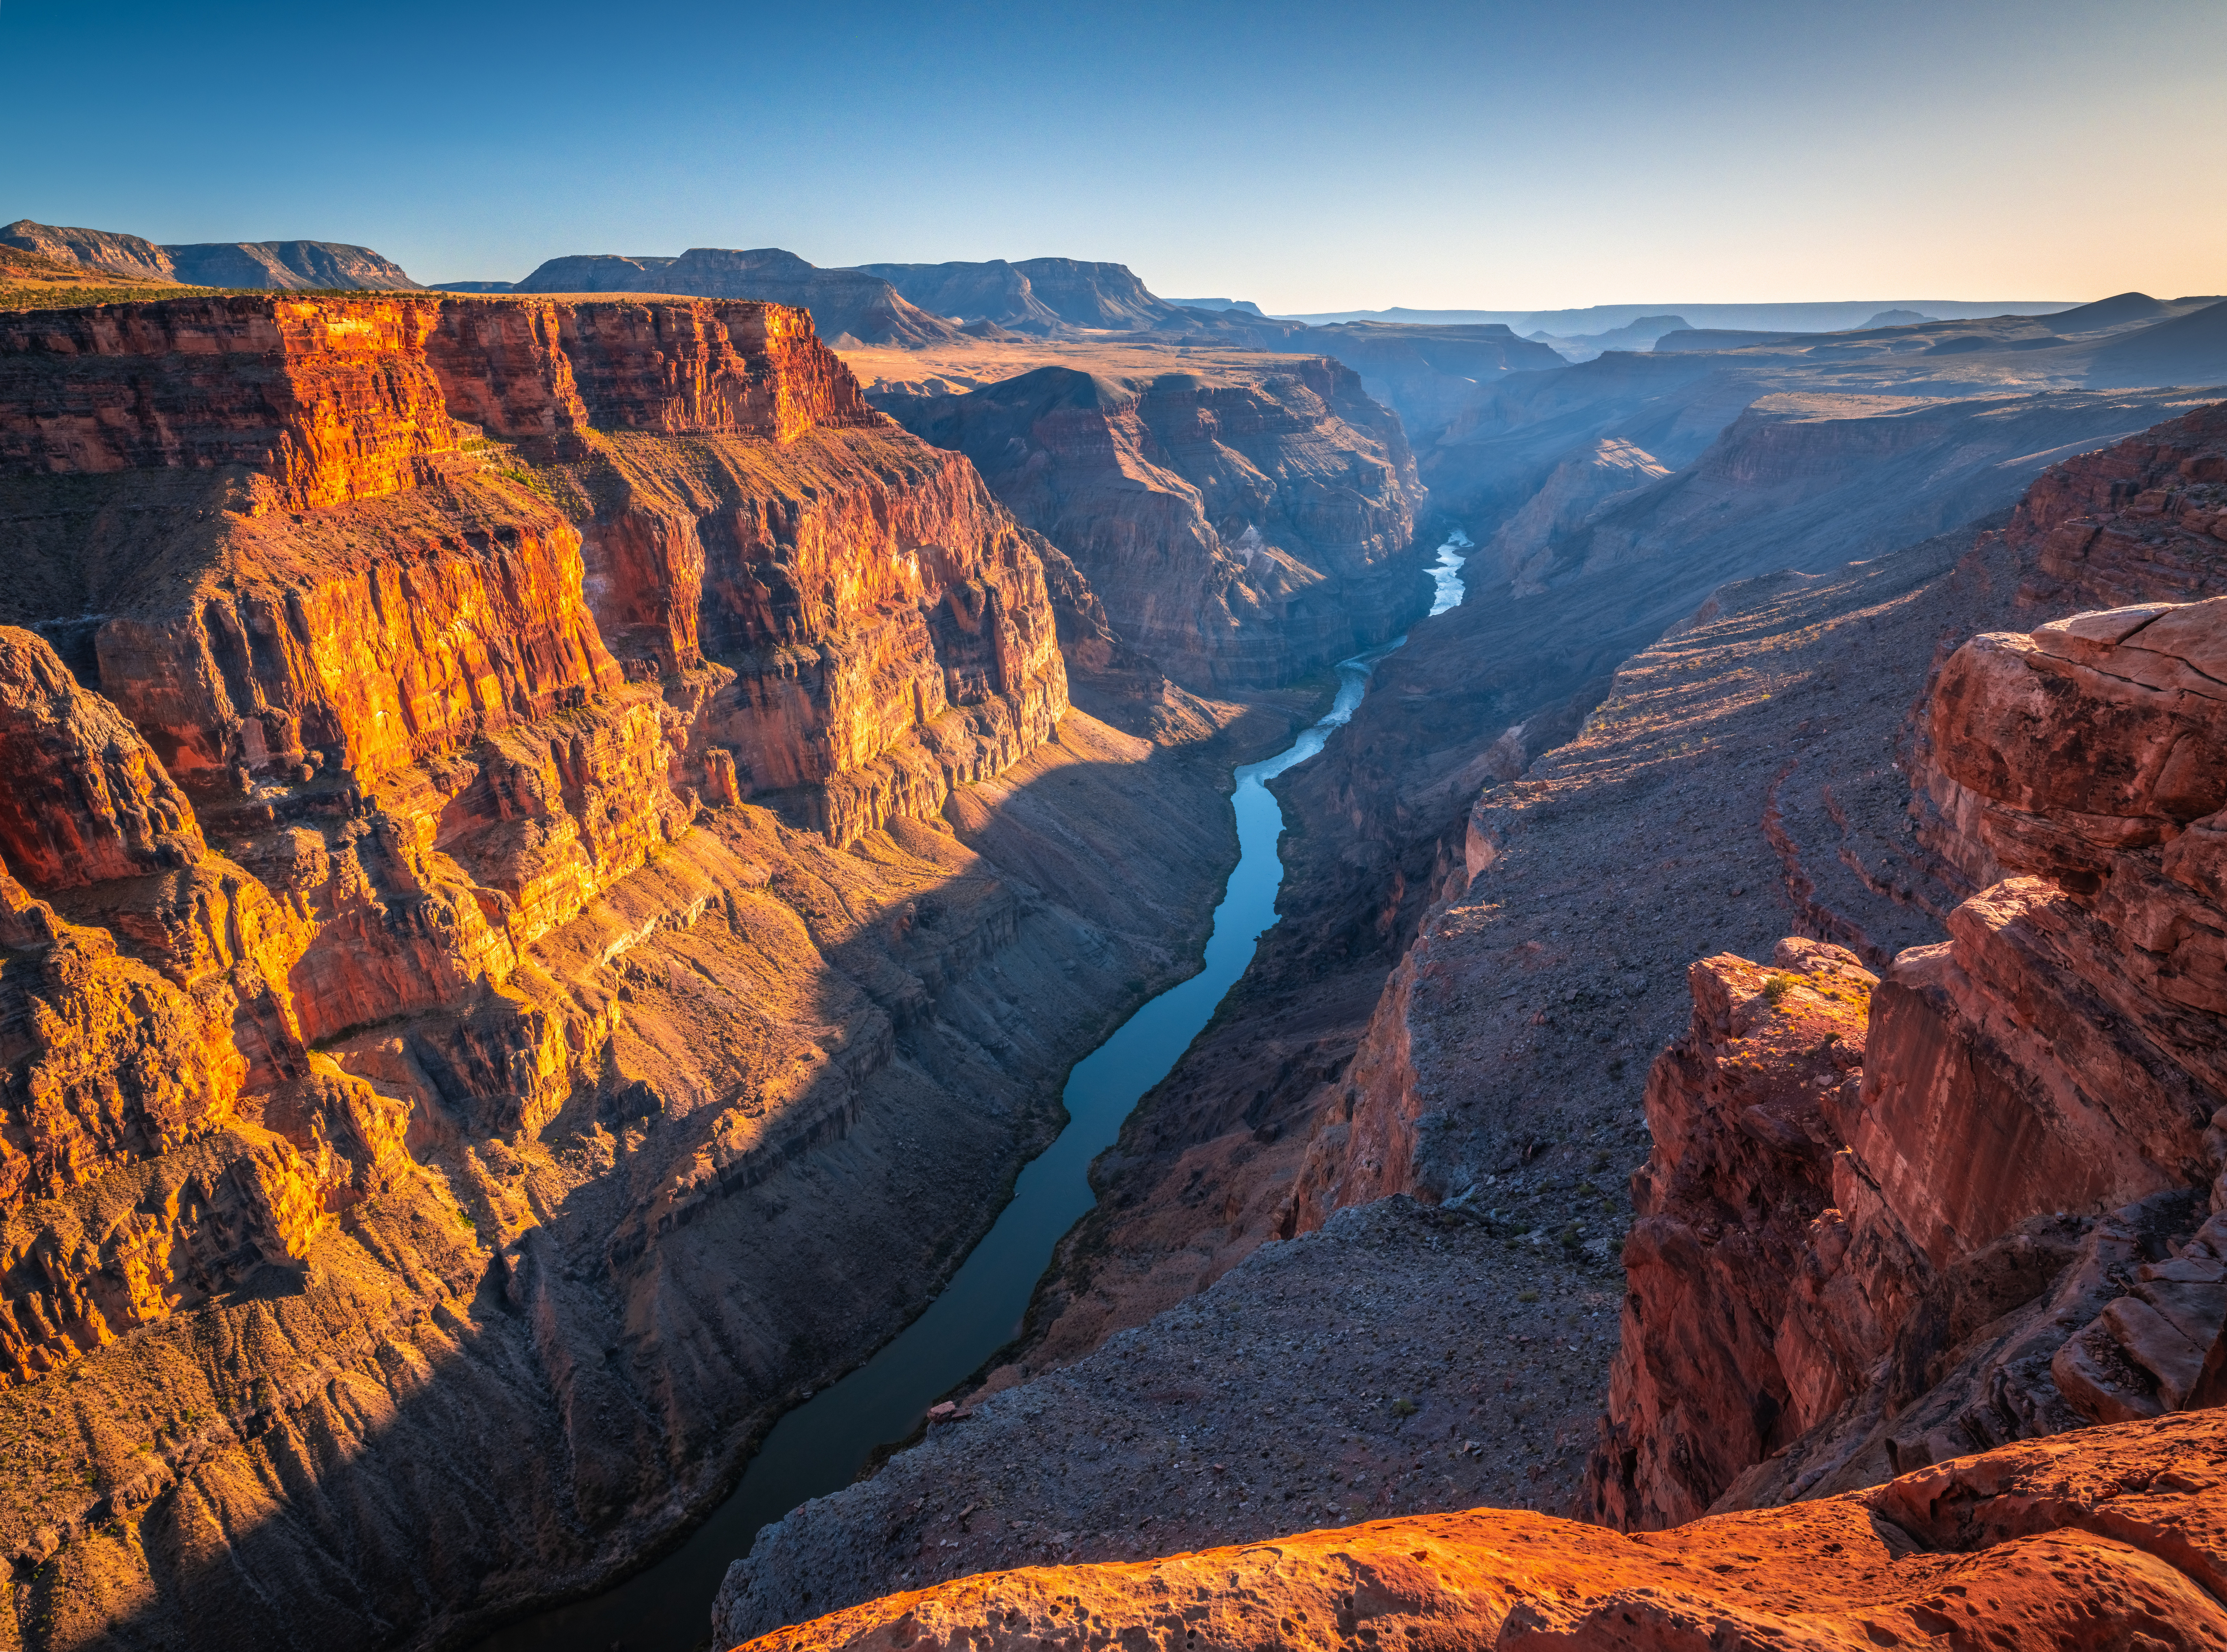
x=422, y=1045
x=1242, y=528
x=1994, y=1233
x=2114, y=1538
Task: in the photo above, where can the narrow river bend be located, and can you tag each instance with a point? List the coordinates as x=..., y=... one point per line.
x=819, y=1446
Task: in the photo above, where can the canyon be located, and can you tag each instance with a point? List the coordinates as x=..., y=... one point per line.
x=534, y=821
x=1355, y=1257
x=1246, y=521
x=563, y=841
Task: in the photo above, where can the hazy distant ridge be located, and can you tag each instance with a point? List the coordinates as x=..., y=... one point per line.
x=1826, y=317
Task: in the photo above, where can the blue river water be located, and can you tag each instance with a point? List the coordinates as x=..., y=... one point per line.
x=821, y=1445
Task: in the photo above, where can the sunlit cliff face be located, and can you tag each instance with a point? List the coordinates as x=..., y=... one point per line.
x=438, y=919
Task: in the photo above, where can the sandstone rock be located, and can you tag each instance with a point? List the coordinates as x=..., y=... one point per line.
x=2057, y=1060
x=2111, y=1537
x=85, y=799
x=442, y=1083
x=2144, y=520
x=1242, y=528
x=1727, y=1348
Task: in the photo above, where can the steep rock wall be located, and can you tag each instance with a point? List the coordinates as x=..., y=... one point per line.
x=2143, y=521
x=2005, y=1215
x=1242, y=528
x=877, y=626
x=403, y=986
x=328, y=400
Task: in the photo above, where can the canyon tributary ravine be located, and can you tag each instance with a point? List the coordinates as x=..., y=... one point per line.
x=819, y=1446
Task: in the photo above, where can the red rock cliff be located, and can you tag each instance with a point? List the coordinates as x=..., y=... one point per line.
x=2008, y=1226
x=2145, y=520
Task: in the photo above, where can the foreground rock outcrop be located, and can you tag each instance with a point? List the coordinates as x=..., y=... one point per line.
x=2114, y=1538
x=2000, y=1227
x=511, y=801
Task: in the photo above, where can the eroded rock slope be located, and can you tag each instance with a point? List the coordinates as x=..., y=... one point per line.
x=526, y=821
x=1244, y=524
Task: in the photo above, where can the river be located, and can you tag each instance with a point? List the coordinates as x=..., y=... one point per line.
x=821, y=1445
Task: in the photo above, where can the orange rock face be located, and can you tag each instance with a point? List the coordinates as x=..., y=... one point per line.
x=85, y=799
x=383, y=672
x=2109, y=1539
x=357, y=835
x=132, y=1031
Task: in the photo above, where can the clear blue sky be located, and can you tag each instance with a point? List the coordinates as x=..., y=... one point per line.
x=1307, y=156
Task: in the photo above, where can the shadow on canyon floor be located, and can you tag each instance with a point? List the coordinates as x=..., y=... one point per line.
x=496, y=1430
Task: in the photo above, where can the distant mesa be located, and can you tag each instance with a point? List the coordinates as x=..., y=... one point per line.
x=1245, y=304
x=476, y=286
x=993, y=291
x=1895, y=318
x=2115, y=311
x=1041, y=296
x=91, y=249
x=909, y=305
x=1718, y=338
x=284, y=267
x=842, y=301
x=1637, y=334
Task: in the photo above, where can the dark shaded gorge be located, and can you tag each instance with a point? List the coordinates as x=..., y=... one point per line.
x=819, y=1446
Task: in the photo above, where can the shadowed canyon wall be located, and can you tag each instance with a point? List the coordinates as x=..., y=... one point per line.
x=1242, y=525
x=526, y=817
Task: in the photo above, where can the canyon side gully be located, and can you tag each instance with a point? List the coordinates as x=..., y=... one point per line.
x=821, y=1446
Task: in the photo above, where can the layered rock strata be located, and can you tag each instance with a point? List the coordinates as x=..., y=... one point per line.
x=1243, y=527
x=528, y=797
x=2113, y=1537
x=1737, y=779
x=2143, y=521
x=1998, y=1231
